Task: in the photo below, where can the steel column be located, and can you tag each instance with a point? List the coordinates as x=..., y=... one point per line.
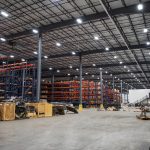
x=38, y=92
x=23, y=78
x=121, y=90
x=89, y=93
x=127, y=93
x=53, y=80
x=34, y=85
x=101, y=84
x=96, y=97
x=80, y=59
x=113, y=84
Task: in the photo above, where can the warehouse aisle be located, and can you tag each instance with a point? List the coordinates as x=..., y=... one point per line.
x=89, y=130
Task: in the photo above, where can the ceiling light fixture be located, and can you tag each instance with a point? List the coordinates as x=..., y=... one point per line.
x=35, y=31
x=94, y=65
x=4, y=14
x=73, y=53
x=86, y=73
x=45, y=57
x=58, y=44
x=96, y=38
x=147, y=43
x=115, y=57
x=140, y=6
x=70, y=67
x=50, y=68
x=3, y=39
x=145, y=30
x=11, y=56
x=120, y=62
x=77, y=69
x=107, y=49
x=58, y=70
x=125, y=66
x=35, y=53
x=22, y=59
x=68, y=74
x=79, y=20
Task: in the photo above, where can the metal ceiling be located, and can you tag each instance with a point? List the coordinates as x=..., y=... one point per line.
x=56, y=19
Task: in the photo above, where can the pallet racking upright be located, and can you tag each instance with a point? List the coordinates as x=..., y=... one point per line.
x=17, y=79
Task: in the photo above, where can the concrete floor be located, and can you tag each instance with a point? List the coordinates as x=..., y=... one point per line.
x=89, y=130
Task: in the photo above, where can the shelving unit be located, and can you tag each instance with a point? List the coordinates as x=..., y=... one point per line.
x=2, y=94
x=17, y=79
x=68, y=91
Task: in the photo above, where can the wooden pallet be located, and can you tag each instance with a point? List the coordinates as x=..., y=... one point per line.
x=31, y=115
x=143, y=118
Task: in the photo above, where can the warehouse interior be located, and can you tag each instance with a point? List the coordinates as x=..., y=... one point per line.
x=74, y=74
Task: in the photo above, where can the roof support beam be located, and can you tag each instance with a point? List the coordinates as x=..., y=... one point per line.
x=101, y=15
x=108, y=12
x=114, y=74
x=105, y=78
x=90, y=52
x=108, y=65
x=117, y=49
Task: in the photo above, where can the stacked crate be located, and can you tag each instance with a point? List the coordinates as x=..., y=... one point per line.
x=7, y=111
x=42, y=109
